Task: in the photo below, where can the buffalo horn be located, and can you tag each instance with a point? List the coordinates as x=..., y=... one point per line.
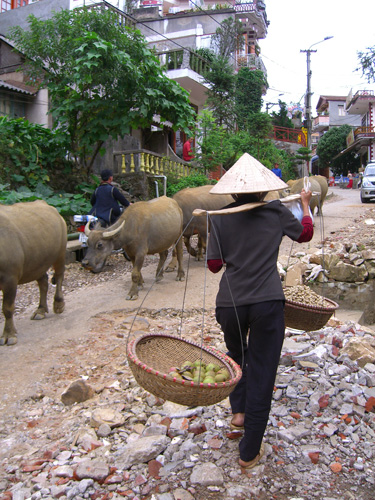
x=87, y=229
x=109, y=234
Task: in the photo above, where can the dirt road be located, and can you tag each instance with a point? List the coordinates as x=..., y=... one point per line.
x=44, y=344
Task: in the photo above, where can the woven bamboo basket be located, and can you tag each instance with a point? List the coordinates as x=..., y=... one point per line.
x=308, y=318
x=151, y=356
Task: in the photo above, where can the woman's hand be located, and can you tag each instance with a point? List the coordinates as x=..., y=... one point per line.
x=305, y=201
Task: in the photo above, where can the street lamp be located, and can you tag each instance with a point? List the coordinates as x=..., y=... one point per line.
x=309, y=94
x=271, y=104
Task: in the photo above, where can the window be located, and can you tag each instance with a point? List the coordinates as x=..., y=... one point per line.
x=5, y=5
x=12, y=4
x=341, y=109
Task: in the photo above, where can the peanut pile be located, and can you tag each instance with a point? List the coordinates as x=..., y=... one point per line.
x=305, y=296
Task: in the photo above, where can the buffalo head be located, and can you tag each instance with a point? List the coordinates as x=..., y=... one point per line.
x=100, y=244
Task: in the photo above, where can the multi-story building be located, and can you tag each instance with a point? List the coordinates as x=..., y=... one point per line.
x=362, y=138
x=332, y=112
x=175, y=29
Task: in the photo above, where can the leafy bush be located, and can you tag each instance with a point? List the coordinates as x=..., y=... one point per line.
x=67, y=204
x=30, y=154
x=174, y=185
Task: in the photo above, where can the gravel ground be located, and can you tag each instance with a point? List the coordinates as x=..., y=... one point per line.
x=319, y=442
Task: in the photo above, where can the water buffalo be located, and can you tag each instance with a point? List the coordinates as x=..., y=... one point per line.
x=144, y=228
x=323, y=182
x=315, y=201
x=189, y=199
x=33, y=238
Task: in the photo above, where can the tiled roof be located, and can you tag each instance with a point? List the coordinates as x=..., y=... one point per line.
x=18, y=87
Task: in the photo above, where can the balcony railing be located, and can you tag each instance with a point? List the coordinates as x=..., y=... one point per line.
x=251, y=61
x=360, y=93
x=124, y=19
x=141, y=160
x=320, y=122
x=285, y=134
x=361, y=132
x=178, y=59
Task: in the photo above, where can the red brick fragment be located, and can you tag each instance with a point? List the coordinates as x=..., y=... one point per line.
x=295, y=415
x=323, y=401
x=153, y=468
x=370, y=404
x=314, y=457
x=335, y=467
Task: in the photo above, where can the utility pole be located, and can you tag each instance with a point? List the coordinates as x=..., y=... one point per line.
x=308, y=103
x=308, y=96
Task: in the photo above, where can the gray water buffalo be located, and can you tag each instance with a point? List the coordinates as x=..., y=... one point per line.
x=33, y=239
x=144, y=228
x=189, y=199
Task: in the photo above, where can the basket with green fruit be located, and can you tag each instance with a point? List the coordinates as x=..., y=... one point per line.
x=182, y=371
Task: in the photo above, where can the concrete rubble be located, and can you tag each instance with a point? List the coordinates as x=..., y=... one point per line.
x=118, y=441
x=123, y=442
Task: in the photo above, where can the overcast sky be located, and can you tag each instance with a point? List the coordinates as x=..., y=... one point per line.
x=296, y=25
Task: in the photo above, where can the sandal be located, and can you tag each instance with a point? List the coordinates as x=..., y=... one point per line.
x=235, y=427
x=238, y=428
x=254, y=461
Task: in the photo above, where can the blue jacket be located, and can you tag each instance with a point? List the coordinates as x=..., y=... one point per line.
x=105, y=203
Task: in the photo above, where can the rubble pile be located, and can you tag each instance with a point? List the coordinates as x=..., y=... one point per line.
x=90, y=432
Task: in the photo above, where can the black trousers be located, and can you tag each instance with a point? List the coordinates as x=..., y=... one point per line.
x=254, y=336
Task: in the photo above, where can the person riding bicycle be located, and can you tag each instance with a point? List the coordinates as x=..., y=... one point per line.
x=105, y=200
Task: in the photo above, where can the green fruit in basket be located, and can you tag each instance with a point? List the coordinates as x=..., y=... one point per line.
x=224, y=371
x=209, y=380
x=197, y=379
x=219, y=377
x=198, y=363
x=211, y=367
x=175, y=375
x=210, y=373
x=186, y=363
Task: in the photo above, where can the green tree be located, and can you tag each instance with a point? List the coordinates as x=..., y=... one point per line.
x=260, y=127
x=228, y=38
x=248, y=95
x=215, y=143
x=367, y=63
x=281, y=119
x=102, y=79
x=330, y=145
x=220, y=94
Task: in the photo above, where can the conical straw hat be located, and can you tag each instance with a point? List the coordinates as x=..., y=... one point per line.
x=248, y=175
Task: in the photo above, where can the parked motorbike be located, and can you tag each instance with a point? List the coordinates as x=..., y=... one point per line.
x=81, y=221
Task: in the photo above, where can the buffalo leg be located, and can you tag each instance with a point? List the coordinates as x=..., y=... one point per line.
x=40, y=313
x=58, y=301
x=201, y=246
x=189, y=248
x=173, y=263
x=179, y=252
x=160, y=269
x=9, y=296
x=137, y=280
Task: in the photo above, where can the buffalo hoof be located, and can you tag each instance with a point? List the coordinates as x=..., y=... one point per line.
x=170, y=269
x=132, y=297
x=58, y=307
x=39, y=315
x=180, y=277
x=12, y=340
